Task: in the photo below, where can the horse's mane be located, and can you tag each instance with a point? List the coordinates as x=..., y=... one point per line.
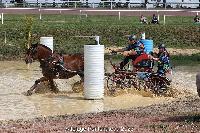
x=44, y=46
x=69, y=54
x=75, y=54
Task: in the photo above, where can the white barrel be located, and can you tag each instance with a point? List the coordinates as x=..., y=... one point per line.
x=47, y=41
x=93, y=71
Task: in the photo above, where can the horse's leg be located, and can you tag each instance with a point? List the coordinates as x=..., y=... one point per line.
x=53, y=86
x=78, y=86
x=81, y=74
x=30, y=91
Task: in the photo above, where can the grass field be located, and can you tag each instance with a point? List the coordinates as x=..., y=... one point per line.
x=178, y=32
x=114, y=20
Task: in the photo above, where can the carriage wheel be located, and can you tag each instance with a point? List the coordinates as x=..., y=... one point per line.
x=126, y=82
x=132, y=82
x=159, y=86
x=143, y=85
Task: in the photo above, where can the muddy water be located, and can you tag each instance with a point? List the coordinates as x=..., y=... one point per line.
x=184, y=79
x=16, y=78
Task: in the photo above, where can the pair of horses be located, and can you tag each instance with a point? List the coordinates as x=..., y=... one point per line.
x=73, y=64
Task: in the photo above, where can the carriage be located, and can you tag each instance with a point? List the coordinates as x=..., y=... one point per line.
x=141, y=77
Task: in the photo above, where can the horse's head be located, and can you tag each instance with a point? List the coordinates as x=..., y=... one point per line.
x=31, y=53
x=37, y=52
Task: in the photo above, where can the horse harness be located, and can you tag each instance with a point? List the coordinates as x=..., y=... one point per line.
x=58, y=66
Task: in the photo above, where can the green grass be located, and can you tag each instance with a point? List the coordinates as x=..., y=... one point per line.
x=76, y=19
x=178, y=32
x=176, y=60
x=188, y=60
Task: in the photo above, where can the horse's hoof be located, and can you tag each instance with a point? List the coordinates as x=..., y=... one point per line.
x=29, y=93
x=55, y=91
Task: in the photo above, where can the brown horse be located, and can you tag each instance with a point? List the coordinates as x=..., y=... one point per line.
x=73, y=64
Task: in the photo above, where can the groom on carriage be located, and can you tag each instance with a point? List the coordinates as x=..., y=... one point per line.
x=162, y=57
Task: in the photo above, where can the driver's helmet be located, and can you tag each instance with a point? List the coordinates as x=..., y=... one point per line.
x=132, y=37
x=161, y=46
x=141, y=45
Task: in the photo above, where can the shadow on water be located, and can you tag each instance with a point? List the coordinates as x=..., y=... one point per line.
x=63, y=96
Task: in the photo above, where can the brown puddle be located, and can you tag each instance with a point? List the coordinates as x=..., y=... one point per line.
x=16, y=78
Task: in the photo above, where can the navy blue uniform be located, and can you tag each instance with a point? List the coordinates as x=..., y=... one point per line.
x=163, y=63
x=138, y=47
x=154, y=20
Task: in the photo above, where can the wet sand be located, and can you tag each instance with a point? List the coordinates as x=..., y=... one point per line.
x=16, y=78
x=67, y=111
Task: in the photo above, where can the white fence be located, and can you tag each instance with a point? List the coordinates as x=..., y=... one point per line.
x=85, y=12
x=101, y=4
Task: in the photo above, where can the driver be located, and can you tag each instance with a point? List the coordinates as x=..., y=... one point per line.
x=132, y=51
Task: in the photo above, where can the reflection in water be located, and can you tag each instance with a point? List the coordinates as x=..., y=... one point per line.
x=15, y=79
x=49, y=104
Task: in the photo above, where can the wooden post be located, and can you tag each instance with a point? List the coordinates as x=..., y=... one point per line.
x=119, y=15
x=5, y=38
x=80, y=14
x=158, y=16
x=40, y=14
x=1, y=18
x=164, y=20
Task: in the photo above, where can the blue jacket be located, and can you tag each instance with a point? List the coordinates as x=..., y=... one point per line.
x=163, y=59
x=137, y=46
